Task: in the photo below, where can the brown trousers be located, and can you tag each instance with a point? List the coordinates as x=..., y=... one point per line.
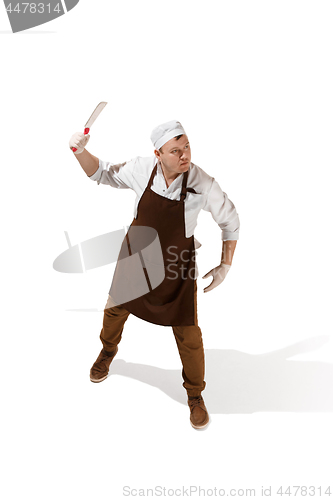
x=188, y=339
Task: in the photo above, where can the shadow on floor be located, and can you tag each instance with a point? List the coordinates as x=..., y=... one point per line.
x=238, y=382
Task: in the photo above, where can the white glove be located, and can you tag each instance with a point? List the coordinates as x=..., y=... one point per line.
x=78, y=141
x=218, y=274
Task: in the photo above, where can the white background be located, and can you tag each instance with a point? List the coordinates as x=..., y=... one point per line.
x=251, y=81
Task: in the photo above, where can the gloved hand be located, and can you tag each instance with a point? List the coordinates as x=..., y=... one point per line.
x=218, y=274
x=78, y=141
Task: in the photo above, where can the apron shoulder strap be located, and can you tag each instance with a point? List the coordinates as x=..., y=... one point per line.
x=152, y=177
x=183, y=193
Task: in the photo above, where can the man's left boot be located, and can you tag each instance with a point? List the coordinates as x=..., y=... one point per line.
x=199, y=417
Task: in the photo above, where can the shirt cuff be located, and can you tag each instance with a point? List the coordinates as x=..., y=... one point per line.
x=229, y=235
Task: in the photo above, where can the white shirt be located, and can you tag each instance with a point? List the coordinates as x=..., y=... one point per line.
x=135, y=175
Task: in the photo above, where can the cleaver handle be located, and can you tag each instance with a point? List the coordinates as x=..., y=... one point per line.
x=86, y=131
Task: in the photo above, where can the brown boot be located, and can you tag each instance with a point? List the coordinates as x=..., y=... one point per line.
x=199, y=417
x=100, y=369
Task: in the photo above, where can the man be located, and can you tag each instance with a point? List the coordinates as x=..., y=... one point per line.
x=170, y=191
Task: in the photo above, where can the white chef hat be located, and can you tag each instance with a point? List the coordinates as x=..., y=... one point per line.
x=163, y=133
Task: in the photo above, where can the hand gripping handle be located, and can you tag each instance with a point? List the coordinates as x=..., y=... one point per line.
x=86, y=131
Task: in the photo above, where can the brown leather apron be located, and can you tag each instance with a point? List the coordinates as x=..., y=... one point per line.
x=170, y=303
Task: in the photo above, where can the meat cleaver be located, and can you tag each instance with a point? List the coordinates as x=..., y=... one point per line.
x=99, y=108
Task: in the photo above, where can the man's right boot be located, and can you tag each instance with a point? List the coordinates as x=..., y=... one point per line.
x=100, y=369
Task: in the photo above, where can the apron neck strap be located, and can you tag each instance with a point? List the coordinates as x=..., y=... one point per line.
x=183, y=193
x=152, y=176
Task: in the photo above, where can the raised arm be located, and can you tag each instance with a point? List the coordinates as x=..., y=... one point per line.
x=88, y=162
x=118, y=176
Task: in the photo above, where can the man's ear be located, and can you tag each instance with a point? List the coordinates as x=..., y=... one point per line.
x=157, y=154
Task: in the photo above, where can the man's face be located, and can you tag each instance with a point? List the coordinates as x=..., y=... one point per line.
x=176, y=155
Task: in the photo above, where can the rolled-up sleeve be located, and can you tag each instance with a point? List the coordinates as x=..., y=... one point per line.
x=223, y=212
x=116, y=175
